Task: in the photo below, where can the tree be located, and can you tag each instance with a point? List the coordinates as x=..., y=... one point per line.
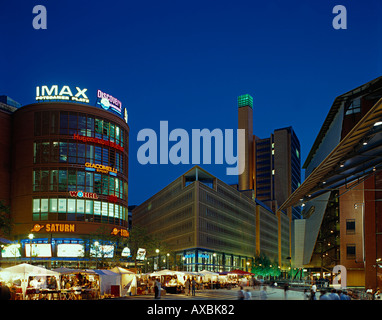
x=263, y=266
x=138, y=238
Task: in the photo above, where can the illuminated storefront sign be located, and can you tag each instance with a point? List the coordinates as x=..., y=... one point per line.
x=81, y=194
x=101, y=168
x=108, y=102
x=53, y=93
x=55, y=227
x=122, y=232
x=97, y=140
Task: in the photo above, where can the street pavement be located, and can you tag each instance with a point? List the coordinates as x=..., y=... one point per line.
x=224, y=294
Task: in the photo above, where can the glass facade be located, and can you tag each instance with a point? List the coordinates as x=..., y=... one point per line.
x=75, y=152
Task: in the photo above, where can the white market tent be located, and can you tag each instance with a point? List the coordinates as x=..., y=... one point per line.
x=107, y=279
x=24, y=271
x=128, y=280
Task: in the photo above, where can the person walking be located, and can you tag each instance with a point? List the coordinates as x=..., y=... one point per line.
x=157, y=289
x=240, y=294
x=247, y=295
x=263, y=293
x=193, y=286
x=188, y=286
x=286, y=288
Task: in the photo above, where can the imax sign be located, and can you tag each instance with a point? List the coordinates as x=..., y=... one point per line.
x=65, y=93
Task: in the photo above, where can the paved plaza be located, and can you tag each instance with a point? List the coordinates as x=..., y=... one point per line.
x=224, y=294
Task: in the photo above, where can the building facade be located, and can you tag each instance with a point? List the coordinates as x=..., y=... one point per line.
x=272, y=165
x=210, y=225
x=340, y=194
x=69, y=182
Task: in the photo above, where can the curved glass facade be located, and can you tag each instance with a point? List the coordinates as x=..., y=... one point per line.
x=79, y=168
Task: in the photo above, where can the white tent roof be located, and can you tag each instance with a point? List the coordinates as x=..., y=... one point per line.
x=64, y=270
x=121, y=270
x=205, y=272
x=30, y=270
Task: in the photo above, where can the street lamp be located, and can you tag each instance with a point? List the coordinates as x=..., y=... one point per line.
x=158, y=265
x=30, y=236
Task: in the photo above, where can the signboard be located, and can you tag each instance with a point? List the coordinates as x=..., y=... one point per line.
x=141, y=254
x=105, y=251
x=97, y=140
x=122, y=232
x=110, y=103
x=64, y=93
x=101, y=168
x=39, y=250
x=70, y=250
x=81, y=194
x=55, y=227
x=11, y=251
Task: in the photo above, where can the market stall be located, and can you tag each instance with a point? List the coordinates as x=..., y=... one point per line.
x=107, y=279
x=31, y=282
x=128, y=281
x=77, y=284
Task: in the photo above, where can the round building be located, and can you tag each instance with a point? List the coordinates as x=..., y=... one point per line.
x=69, y=183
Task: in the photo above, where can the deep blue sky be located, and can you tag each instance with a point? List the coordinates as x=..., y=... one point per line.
x=187, y=61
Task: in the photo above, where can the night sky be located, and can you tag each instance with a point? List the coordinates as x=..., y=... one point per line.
x=187, y=61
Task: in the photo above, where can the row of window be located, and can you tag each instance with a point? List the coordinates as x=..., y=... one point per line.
x=69, y=123
x=67, y=179
x=66, y=209
x=77, y=153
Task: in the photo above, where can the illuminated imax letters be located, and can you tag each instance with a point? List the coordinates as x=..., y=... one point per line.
x=52, y=93
x=179, y=153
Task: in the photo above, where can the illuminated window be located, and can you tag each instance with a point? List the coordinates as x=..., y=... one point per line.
x=36, y=205
x=62, y=205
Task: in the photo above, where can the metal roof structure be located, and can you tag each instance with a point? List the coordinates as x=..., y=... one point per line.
x=357, y=156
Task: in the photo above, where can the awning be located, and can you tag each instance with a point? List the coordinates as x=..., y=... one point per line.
x=357, y=156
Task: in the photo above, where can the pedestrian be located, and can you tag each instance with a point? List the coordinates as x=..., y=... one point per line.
x=157, y=289
x=286, y=288
x=193, y=286
x=377, y=294
x=188, y=286
x=324, y=295
x=333, y=295
x=240, y=294
x=263, y=293
x=247, y=295
x=5, y=292
x=306, y=295
x=312, y=295
x=314, y=288
x=344, y=296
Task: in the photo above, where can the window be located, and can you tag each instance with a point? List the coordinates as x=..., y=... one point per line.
x=36, y=205
x=354, y=107
x=53, y=205
x=350, y=226
x=350, y=251
x=62, y=205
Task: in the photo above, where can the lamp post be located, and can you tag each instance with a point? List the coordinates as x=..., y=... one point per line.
x=30, y=236
x=157, y=252
x=96, y=247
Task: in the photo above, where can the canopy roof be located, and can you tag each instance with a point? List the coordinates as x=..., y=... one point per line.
x=26, y=269
x=356, y=157
x=121, y=270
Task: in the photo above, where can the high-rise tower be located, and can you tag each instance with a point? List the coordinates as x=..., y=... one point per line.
x=245, y=104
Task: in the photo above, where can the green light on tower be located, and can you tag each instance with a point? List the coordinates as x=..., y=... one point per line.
x=245, y=100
